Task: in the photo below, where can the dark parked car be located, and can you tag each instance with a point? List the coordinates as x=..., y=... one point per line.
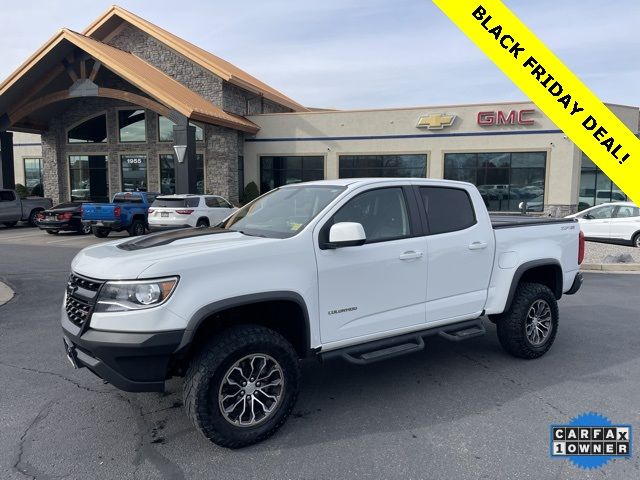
x=63, y=217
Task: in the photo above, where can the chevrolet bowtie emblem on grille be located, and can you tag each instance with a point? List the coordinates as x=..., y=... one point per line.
x=436, y=121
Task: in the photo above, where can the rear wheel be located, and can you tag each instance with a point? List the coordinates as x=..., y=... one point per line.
x=137, y=228
x=85, y=229
x=32, y=217
x=202, y=223
x=10, y=224
x=101, y=232
x=529, y=327
x=52, y=232
x=241, y=388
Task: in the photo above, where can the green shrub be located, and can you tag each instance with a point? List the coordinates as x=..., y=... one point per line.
x=22, y=191
x=250, y=193
x=37, y=190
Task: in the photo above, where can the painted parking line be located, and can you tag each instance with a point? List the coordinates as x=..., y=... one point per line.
x=26, y=235
x=70, y=239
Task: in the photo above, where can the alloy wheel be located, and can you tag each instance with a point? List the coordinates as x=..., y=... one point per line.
x=538, y=325
x=251, y=390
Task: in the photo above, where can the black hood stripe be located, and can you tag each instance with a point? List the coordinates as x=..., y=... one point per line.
x=165, y=238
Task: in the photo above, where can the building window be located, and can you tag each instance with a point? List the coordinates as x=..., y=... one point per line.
x=168, y=174
x=358, y=166
x=595, y=186
x=134, y=173
x=93, y=130
x=33, y=176
x=132, y=126
x=504, y=179
x=165, y=130
x=278, y=171
x=88, y=177
x=240, y=177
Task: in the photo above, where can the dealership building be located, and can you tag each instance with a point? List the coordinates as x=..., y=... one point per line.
x=126, y=105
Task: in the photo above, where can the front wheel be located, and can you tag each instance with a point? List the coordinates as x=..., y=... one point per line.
x=101, y=232
x=636, y=240
x=529, y=327
x=241, y=388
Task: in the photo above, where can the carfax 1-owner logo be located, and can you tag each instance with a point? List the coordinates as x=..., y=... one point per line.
x=590, y=440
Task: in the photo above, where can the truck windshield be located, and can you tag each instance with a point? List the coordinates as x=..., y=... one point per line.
x=283, y=212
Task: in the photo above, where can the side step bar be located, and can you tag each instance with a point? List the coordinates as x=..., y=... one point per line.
x=386, y=348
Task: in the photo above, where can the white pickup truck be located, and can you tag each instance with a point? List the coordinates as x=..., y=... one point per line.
x=362, y=269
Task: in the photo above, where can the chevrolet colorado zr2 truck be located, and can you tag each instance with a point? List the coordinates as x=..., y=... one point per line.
x=360, y=269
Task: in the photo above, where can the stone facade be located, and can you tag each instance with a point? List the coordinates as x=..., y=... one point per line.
x=221, y=147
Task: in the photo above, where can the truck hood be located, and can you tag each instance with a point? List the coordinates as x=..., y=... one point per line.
x=129, y=258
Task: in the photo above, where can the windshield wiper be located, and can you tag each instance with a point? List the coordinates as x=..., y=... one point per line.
x=250, y=234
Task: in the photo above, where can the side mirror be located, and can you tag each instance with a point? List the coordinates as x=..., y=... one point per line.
x=346, y=234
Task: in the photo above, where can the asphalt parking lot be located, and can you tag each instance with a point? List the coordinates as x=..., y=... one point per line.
x=456, y=410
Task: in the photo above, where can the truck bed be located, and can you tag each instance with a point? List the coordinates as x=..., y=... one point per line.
x=511, y=221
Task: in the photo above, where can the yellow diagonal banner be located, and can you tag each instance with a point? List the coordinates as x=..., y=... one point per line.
x=552, y=87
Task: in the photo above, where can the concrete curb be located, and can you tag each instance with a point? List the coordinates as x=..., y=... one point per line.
x=611, y=267
x=6, y=293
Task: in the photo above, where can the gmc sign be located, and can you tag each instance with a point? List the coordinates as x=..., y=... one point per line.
x=514, y=117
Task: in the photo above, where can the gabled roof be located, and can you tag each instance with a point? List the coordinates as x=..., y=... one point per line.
x=104, y=25
x=144, y=76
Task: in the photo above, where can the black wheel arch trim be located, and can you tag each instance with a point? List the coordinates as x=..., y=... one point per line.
x=211, y=309
x=525, y=267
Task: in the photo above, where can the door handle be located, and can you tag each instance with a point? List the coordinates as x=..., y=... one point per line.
x=477, y=245
x=410, y=255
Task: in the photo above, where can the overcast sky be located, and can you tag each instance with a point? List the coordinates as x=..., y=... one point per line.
x=362, y=53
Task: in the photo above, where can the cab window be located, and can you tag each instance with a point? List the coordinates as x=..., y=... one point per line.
x=382, y=213
x=627, y=212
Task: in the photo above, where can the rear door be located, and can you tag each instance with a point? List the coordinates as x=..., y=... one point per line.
x=378, y=287
x=460, y=250
x=626, y=222
x=10, y=208
x=217, y=209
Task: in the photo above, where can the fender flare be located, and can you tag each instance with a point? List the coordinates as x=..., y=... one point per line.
x=525, y=267
x=207, y=311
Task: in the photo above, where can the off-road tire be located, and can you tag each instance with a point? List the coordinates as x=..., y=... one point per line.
x=208, y=368
x=101, y=232
x=137, y=228
x=511, y=325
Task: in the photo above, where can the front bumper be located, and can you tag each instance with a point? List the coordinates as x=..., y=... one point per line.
x=577, y=283
x=133, y=362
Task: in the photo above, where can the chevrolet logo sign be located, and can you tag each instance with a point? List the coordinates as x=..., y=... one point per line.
x=436, y=121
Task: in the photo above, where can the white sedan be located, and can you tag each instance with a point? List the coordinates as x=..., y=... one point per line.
x=617, y=222
x=181, y=211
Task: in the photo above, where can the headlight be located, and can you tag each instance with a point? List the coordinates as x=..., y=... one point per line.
x=134, y=295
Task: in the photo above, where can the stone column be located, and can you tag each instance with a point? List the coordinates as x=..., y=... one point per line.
x=7, y=174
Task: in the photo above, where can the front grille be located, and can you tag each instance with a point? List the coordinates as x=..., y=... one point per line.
x=82, y=294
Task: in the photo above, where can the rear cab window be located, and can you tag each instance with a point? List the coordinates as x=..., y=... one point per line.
x=448, y=209
x=127, y=198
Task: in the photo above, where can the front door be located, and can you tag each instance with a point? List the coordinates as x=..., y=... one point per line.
x=379, y=286
x=596, y=223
